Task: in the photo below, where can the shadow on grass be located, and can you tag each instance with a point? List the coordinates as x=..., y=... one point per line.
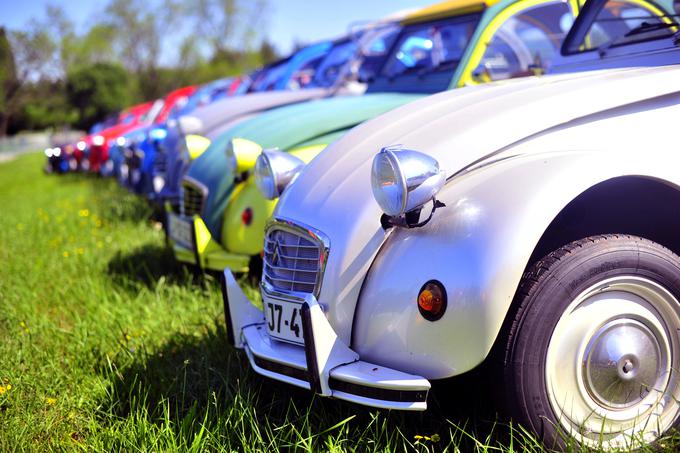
x=201, y=383
x=148, y=265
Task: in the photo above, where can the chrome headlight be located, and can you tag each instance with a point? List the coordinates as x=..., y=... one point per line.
x=120, y=141
x=403, y=180
x=81, y=145
x=98, y=140
x=241, y=155
x=274, y=170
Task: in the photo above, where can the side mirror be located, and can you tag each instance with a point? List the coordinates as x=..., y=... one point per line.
x=190, y=125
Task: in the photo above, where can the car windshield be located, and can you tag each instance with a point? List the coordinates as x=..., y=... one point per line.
x=621, y=22
x=426, y=55
x=331, y=66
x=267, y=79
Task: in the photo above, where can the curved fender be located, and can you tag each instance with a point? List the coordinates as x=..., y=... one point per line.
x=478, y=246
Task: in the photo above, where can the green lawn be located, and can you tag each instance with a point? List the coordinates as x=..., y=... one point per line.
x=107, y=344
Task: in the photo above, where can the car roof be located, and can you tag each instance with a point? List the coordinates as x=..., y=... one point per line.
x=446, y=9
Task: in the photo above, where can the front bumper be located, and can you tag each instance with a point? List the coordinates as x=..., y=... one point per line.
x=202, y=250
x=324, y=364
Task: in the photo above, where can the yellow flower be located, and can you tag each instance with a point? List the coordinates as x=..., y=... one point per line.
x=3, y=389
x=22, y=324
x=80, y=250
x=51, y=401
x=84, y=212
x=65, y=254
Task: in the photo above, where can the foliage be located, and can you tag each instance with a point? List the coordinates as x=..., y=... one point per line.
x=107, y=344
x=97, y=90
x=210, y=39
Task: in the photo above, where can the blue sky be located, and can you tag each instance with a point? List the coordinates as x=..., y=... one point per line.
x=288, y=20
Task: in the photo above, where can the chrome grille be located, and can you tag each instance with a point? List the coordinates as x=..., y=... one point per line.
x=193, y=197
x=293, y=260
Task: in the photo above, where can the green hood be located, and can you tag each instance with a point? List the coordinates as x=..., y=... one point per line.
x=285, y=128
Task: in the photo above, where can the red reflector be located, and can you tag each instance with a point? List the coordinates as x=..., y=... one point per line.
x=247, y=216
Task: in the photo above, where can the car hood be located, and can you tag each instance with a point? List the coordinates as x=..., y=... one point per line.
x=284, y=127
x=228, y=109
x=459, y=128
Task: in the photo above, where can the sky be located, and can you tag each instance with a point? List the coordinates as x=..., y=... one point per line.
x=288, y=21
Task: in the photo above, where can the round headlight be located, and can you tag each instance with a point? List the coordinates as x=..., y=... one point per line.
x=158, y=133
x=56, y=151
x=98, y=140
x=274, y=171
x=403, y=180
x=81, y=145
x=120, y=141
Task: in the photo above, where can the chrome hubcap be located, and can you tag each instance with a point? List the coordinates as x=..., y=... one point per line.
x=623, y=362
x=611, y=364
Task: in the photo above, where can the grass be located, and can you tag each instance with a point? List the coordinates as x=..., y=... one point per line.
x=106, y=343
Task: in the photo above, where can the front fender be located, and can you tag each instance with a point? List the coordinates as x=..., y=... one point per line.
x=478, y=246
x=237, y=235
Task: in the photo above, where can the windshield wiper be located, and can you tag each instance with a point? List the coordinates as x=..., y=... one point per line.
x=645, y=27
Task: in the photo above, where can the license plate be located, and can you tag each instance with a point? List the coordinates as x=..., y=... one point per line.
x=181, y=230
x=283, y=320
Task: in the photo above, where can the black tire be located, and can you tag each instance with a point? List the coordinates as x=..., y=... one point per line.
x=547, y=289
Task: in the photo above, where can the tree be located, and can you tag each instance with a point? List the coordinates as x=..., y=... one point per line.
x=31, y=53
x=97, y=90
x=8, y=80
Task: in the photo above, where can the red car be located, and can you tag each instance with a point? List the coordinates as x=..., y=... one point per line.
x=132, y=118
x=95, y=146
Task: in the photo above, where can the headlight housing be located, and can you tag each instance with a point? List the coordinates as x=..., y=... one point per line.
x=403, y=180
x=274, y=171
x=98, y=140
x=241, y=155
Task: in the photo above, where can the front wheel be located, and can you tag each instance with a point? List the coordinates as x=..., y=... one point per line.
x=592, y=350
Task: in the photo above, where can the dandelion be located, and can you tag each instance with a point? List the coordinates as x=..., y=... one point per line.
x=5, y=388
x=22, y=324
x=65, y=254
x=51, y=401
x=84, y=212
x=80, y=250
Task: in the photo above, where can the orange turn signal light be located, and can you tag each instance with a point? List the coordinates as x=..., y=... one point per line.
x=432, y=300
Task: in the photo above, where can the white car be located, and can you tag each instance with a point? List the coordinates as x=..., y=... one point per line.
x=555, y=237
x=534, y=223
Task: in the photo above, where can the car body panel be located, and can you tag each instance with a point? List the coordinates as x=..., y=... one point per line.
x=338, y=180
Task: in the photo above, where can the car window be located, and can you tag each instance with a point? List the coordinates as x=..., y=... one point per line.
x=331, y=65
x=626, y=21
x=527, y=43
x=305, y=74
x=429, y=46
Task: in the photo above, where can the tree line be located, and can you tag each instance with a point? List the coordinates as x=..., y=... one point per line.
x=56, y=74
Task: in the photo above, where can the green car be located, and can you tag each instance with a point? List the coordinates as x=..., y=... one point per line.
x=222, y=215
